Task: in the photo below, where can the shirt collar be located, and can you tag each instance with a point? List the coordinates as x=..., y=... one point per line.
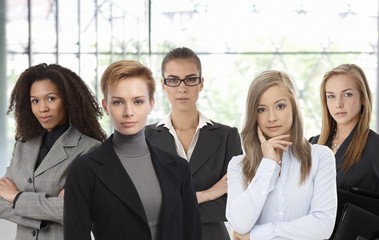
x=166, y=121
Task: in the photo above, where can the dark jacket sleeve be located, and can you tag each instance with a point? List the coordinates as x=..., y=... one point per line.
x=77, y=197
x=214, y=211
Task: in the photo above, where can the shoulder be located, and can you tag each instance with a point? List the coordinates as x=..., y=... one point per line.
x=152, y=129
x=373, y=137
x=371, y=147
x=322, y=154
x=221, y=129
x=236, y=163
x=98, y=151
x=314, y=139
x=83, y=141
x=222, y=126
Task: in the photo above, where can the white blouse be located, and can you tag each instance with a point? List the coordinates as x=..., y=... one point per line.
x=276, y=206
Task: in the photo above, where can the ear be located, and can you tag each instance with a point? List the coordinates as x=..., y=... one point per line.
x=152, y=104
x=104, y=104
x=163, y=86
x=202, y=84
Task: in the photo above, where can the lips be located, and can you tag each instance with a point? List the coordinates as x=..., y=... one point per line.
x=273, y=128
x=44, y=119
x=128, y=124
x=340, y=114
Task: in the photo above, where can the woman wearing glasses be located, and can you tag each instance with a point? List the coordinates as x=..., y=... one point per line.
x=208, y=146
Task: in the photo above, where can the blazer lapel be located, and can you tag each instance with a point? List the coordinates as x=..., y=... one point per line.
x=207, y=144
x=32, y=154
x=167, y=175
x=58, y=153
x=112, y=174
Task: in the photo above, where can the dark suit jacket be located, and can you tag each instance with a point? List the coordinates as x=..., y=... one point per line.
x=216, y=145
x=364, y=174
x=100, y=196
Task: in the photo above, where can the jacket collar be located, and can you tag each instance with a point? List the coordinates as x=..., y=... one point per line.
x=58, y=151
x=206, y=146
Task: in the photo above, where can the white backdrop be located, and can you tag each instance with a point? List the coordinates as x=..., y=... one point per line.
x=7, y=230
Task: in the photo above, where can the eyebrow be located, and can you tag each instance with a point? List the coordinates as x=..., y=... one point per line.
x=52, y=93
x=347, y=89
x=282, y=99
x=121, y=98
x=190, y=75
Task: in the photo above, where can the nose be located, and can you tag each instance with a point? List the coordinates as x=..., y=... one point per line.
x=128, y=111
x=339, y=102
x=271, y=116
x=182, y=88
x=43, y=107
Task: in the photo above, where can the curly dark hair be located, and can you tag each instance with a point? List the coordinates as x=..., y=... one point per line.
x=80, y=104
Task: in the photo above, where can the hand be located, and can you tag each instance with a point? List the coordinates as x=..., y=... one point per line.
x=238, y=236
x=214, y=192
x=273, y=148
x=61, y=193
x=8, y=189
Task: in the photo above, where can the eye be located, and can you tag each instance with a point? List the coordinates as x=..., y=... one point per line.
x=192, y=80
x=281, y=106
x=139, y=101
x=50, y=99
x=33, y=101
x=172, y=80
x=330, y=96
x=261, y=110
x=116, y=102
x=347, y=94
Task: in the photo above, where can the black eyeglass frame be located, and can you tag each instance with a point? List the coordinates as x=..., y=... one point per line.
x=182, y=80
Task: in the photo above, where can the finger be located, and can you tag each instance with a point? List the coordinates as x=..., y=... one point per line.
x=260, y=135
x=280, y=137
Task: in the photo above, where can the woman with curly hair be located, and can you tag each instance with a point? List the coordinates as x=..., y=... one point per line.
x=56, y=121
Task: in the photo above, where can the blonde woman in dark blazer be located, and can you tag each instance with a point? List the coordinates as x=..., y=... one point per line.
x=208, y=146
x=51, y=131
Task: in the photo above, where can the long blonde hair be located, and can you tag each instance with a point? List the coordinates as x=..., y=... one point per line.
x=251, y=143
x=329, y=125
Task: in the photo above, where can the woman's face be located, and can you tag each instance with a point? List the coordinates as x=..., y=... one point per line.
x=127, y=103
x=343, y=99
x=182, y=97
x=47, y=104
x=274, y=112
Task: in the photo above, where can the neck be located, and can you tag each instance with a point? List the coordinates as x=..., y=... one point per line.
x=130, y=145
x=343, y=131
x=185, y=120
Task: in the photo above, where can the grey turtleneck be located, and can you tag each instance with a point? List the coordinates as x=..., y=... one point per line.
x=135, y=157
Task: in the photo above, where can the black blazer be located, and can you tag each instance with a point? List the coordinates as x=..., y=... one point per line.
x=216, y=145
x=100, y=196
x=364, y=174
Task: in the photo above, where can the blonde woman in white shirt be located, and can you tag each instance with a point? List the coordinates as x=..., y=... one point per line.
x=282, y=187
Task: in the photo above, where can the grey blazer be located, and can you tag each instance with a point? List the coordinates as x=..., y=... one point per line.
x=41, y=187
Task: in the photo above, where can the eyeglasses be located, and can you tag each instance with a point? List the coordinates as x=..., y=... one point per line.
x=188, y=81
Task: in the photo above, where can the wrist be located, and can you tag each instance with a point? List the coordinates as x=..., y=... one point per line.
x=16, y=198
